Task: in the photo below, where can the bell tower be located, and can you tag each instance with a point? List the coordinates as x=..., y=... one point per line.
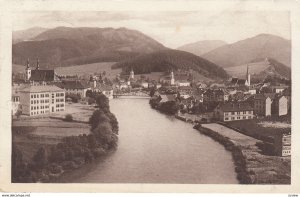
x=27, y=71
x=131, y=74
x=172, y=78
x=248, y=76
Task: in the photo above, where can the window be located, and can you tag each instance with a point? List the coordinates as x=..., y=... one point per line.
x=226, y=118
x=31, y=97
x=62, y=105
x=232, y=113
x=34, y=107
x=42, y=95
x=238, y=113
x=37, y=107
x=31, y=108
x=37, y=96
x=52, y=95
x=34, y=96
x=232, y=118
x=31, y=102
x=244, y=117
x=37, y=101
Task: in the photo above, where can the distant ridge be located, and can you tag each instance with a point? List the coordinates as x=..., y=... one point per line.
x=201, y=47
x=244, y=51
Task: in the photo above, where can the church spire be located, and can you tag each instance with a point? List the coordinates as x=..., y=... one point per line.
x=248, y=76
x=37, y=64
x=27, y=63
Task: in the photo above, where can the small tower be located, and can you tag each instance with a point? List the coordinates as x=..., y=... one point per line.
x=172, y=78
x=131, y=74
x=248, y=76
x=27, y=71
x=37, y=64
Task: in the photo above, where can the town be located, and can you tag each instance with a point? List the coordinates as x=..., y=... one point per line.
x=41, y=92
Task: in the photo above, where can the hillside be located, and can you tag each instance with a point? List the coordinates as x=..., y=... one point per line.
x=244, y=51
x=261, y=69
x=63, y=46
x=27, y=34
x=201, y=47
x=167, y=60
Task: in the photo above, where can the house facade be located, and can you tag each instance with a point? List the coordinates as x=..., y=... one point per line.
x=41, y=100
x=232, y=111
x=74, y=87
x=280, y=106
x=262, y=105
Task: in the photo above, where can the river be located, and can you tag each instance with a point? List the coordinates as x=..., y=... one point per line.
x=156, y=148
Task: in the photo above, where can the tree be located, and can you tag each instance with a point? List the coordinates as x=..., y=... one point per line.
x=69, y=118
x=102, y=102
x=40, y=158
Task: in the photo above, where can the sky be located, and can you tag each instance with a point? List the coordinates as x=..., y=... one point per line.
x=171, y=28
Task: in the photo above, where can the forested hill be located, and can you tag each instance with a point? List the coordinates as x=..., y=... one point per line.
x=166, y=60
x=64, y=46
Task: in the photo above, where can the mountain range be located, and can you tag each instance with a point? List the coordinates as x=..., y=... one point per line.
x=64, y=46
x=201, y=47
x=28, y=34
x=258, y=47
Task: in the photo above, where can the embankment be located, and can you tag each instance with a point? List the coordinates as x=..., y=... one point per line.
x=243, y=175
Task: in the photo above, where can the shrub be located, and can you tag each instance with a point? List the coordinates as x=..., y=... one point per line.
x=69, y=118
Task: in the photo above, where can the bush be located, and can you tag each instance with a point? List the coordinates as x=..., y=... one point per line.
x=69, y=118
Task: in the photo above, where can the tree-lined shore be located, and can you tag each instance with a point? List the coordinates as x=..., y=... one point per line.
x=49, y=162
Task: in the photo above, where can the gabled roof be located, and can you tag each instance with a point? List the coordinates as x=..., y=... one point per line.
x=72, y=85
x=42, y=75
x=235, y=106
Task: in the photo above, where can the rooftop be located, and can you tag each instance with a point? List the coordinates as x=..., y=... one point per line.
x=41, y=88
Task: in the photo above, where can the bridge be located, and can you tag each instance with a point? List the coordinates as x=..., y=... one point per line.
x=131, y=95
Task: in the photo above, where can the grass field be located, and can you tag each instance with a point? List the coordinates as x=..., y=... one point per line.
x=261, y=127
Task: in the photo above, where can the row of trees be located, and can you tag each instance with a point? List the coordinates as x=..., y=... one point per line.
x=72, y=151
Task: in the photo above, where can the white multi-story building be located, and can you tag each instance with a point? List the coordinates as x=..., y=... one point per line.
x=40, y=100
x=233, y=111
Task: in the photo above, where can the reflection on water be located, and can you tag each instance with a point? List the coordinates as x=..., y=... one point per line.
x=156, y=148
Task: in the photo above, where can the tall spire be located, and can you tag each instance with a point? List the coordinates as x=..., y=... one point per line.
x=37, y=64
x=27, y=63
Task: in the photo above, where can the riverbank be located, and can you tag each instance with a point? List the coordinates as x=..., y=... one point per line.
x=252, y=167
x=44, y=150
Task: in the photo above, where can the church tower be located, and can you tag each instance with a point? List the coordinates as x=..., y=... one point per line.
x=248, y=76
x=27, y=71
x=131, y=74
x=172, y=78
x=37, y=64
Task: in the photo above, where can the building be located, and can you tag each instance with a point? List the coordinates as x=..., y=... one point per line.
x=40, y=76
x=217, y=95
x=282, y=144
x=42, y=99
x=262, y=105
x=74, y=87
x=280, y=106
x=242, y=82
x=15, y=104
x=232, y=111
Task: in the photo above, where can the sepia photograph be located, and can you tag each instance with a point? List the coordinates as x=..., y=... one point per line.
x=151, y=97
